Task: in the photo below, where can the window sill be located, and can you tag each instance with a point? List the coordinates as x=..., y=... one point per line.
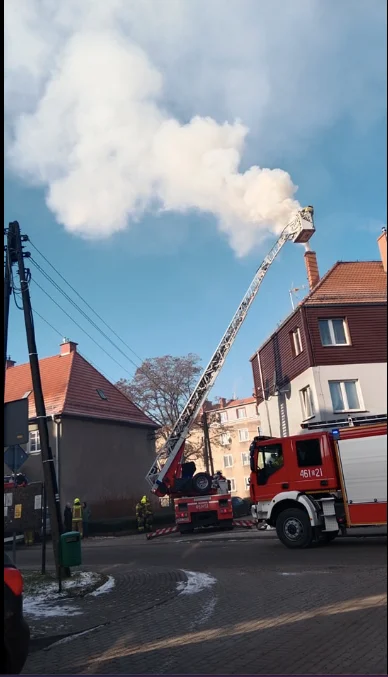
x=308, y=418
x=337, y=345
x=351, y=411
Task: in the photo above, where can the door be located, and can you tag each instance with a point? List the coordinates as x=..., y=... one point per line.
x=313, y=466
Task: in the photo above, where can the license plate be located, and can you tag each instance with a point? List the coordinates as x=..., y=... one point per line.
x=202, y=506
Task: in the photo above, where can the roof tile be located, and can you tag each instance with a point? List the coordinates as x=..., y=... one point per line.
x=70, y=385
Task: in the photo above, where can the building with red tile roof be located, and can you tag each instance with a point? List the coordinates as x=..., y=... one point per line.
x=103, y=444
x=326, y=362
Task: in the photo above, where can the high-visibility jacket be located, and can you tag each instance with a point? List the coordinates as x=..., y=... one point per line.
x=77, y=513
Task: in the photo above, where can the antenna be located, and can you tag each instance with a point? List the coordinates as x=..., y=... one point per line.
x=293, y=291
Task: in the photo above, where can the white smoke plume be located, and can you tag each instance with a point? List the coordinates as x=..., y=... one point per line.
x=99, y=110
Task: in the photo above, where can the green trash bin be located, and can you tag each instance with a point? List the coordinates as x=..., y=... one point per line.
x=70, y=549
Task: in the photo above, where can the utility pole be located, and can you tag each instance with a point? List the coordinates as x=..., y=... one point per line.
x=10, y=259
x=50, y=479
x=208, y=449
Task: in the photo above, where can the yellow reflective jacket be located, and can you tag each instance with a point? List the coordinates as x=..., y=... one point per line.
x=77, y=513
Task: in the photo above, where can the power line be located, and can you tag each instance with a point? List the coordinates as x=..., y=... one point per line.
x=61, y=334
x=82, y=329
x=84, y=301
x=85, y=315
x=76, y=306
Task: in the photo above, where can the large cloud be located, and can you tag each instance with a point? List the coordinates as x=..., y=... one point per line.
x=119, y=107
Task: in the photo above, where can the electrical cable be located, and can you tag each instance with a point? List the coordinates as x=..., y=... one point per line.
x=82, y=329
x=84, y=301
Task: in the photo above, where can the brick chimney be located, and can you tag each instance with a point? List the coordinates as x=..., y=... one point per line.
x=9, y=363
x=222, y=402
x=310, y=259
x=68, y=347
x=382, y=242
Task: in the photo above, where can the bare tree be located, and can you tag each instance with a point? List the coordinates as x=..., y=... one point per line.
x=161, y=388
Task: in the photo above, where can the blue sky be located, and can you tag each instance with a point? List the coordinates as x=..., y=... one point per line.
x=170, y=283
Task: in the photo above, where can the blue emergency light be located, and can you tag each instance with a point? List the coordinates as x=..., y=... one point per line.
x=336, y=433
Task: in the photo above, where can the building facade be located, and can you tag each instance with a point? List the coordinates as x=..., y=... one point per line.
x=327, y=362
x=102, y=444
x=232, y=426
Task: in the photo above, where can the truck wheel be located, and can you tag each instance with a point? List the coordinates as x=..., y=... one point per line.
x=294, y=529
x=202, y=483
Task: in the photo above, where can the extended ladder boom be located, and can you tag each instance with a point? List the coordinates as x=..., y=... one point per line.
x=298, y=230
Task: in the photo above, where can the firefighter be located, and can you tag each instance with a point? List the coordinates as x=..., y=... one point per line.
x=144, y=515
x=77, y=516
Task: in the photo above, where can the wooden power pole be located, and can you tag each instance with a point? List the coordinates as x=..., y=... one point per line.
x=50, y=479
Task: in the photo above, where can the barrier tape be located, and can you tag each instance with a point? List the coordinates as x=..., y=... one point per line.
x=161, y=532
x=246, y=524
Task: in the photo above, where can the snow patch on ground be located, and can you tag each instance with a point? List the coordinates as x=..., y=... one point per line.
x=42, y=599
x=106, y=587
x=41, y=606
x=196, y=582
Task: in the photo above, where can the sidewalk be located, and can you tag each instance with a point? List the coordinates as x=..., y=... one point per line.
x=127, y=593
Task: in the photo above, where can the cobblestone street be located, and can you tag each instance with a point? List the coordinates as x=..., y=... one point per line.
x=259, y=609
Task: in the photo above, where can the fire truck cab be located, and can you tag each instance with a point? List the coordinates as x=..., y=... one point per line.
x=311, y=486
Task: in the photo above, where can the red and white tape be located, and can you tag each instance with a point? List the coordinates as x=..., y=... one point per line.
x=161, y=532
x=247, y=524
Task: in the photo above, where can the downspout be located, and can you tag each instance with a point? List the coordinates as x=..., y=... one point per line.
x=264, y=397
x=57, y=422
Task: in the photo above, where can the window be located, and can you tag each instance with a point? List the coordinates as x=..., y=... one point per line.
x=241, y=412
x=245, y=458
x=233, y=486
x=345, y=396
x=224, y=439
x=308, y=453
x=228, y=461
x=334, y=332
x=34, y=442
x=247, y=482
x=101, y=394
x=306, y=400
x=296, y=342
x=223, y=416
x=243, y=435
x=270, y=460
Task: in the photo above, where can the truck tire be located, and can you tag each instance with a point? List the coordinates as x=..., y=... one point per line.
x=294, y=529
x=202, y=483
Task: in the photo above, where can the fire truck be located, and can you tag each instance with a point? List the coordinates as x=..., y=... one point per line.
x=313, y=486
x=199, y=498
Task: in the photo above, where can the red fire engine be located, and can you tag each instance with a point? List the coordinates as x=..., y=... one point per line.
x=312, y=486
x=200, y=499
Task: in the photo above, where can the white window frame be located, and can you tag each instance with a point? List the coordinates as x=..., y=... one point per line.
x=223, y=416
x=333, y=343
x=243, y=430
x=233, y=485
x=34, y=435
x=297, y=342
x=224, y=439
x=241, y=409
x=345, y=397
x=247, y=482
x=229, y=457
x=245, y=457
x=305, y=413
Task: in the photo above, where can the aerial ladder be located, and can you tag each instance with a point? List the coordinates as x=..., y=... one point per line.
x=165, y=474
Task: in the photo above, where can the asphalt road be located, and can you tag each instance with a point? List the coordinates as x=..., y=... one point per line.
x=257, y=609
